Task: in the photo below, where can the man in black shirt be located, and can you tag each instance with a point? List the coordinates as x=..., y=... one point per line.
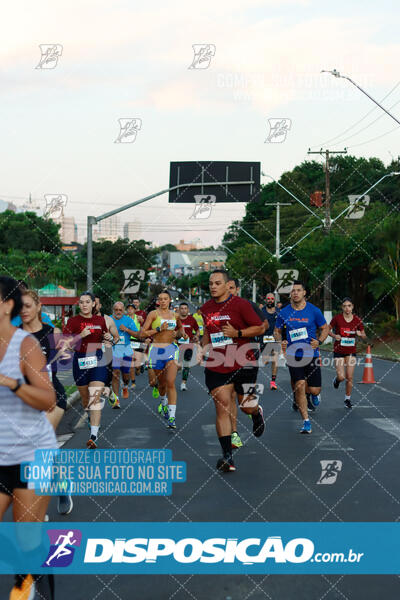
x=269, y=314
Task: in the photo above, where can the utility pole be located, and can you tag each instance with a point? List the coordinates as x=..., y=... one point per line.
x=327, y=228
x=278, y=225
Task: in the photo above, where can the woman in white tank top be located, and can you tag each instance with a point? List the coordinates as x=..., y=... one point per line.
x=25, y=394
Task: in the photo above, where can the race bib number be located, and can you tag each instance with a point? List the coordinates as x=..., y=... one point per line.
x=170, y=322
x=88, y=362
x=121, y=341
x=268, y=338
x=135, y=345
x=346, y=341
x=219, y=339
x=298, y=334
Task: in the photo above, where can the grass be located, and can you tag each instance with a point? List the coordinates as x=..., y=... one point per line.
x=70, y=389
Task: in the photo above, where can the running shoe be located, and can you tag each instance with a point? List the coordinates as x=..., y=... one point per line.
x=183, y=386
x=133, y=385
x=236, y=442
x=64, y=505
x=316, y=400
x=336, y=383
x=226, y=464
x=166, y=412
x=125, y=392
x=160, y=408
x=112, y=399
x=142, y=369
x=171, y=423
x=258, y=422
x=348, y=404
x=116, y=404
x=306, y=427
x=272, y=385
x=91, y=443
x=156, y=393
x=310, y=405
x=24, y=588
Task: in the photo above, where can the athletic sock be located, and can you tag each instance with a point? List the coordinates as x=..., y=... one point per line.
x=172, y=410
x=273, y=377
x=347, y=397
x=164, y=400
x=94, y=430
x=226, y=444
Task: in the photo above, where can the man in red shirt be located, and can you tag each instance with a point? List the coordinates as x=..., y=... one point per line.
x=191, y=329
x=344, y=329
x=141, y=314
x=229, y=323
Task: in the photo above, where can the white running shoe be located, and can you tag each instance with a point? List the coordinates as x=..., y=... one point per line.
x=183, y=386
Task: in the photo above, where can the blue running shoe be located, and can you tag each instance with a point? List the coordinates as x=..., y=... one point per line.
x=306, y=427
x=316, y=400
x=171, y=423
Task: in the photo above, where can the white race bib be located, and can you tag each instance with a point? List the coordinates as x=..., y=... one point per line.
x=268, y=338
x=171, y=323
x=88, y=362
x=298, y=334
x=347, y=341
x=219, y=339
x=135, y=345
x=121, y=341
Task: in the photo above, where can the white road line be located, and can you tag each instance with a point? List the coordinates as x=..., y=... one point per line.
x=137, y=436
x=391, y=426
x=389, y=391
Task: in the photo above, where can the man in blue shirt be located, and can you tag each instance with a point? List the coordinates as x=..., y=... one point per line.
x=122, y=351
x=306, y=329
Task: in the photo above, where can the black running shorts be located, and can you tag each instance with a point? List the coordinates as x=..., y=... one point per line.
x=239, y=377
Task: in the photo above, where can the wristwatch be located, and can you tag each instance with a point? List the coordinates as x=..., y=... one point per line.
x=19, y=383
x=240, y=333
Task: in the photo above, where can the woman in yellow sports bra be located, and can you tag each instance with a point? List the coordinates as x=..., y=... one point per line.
x=163, y=326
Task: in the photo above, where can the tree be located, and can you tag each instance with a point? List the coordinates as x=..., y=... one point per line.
x=386, y=268
x=27, y=232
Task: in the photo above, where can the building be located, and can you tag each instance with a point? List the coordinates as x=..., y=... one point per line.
x=192, y=263
x=108, y=229
x=188, y=246
x=133, y=230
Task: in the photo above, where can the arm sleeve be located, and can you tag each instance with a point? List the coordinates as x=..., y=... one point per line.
x=319, y=317
x=249, y=315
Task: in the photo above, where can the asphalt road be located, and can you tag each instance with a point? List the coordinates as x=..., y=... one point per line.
x=276, y=480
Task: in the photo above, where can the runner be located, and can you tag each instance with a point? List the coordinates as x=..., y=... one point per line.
x=87, y=331
x=141, y=314
x=122, y=351
x=200, y=321
x=191, y=329
x=137, y=347
x=45, y=335
x=230, y=320
x=302, y=320
x=234, y=288
x=163, y=327
x=26, y=394
x=16, y=321
x=344, y=329
x=108, y=342
x=270, y=314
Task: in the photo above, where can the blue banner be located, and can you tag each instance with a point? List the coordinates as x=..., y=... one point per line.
x=200, y=548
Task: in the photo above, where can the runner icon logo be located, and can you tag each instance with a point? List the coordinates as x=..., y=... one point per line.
x=203, y=207
x=330, y=470
x=50, y=53
x=278, y=130
x=128, y=129
x=203, y=54
x=62, y=547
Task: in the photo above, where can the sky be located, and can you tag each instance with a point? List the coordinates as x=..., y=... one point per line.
x=130, y=60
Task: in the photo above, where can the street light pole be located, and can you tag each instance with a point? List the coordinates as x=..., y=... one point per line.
x=336, y=73
x=91, y=220
x=278, y=225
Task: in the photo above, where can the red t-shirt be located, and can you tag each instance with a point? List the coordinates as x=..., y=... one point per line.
x=226, y=357
x=347, y=330
x=189, y=324
x=97, y=325
x=141, y=313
